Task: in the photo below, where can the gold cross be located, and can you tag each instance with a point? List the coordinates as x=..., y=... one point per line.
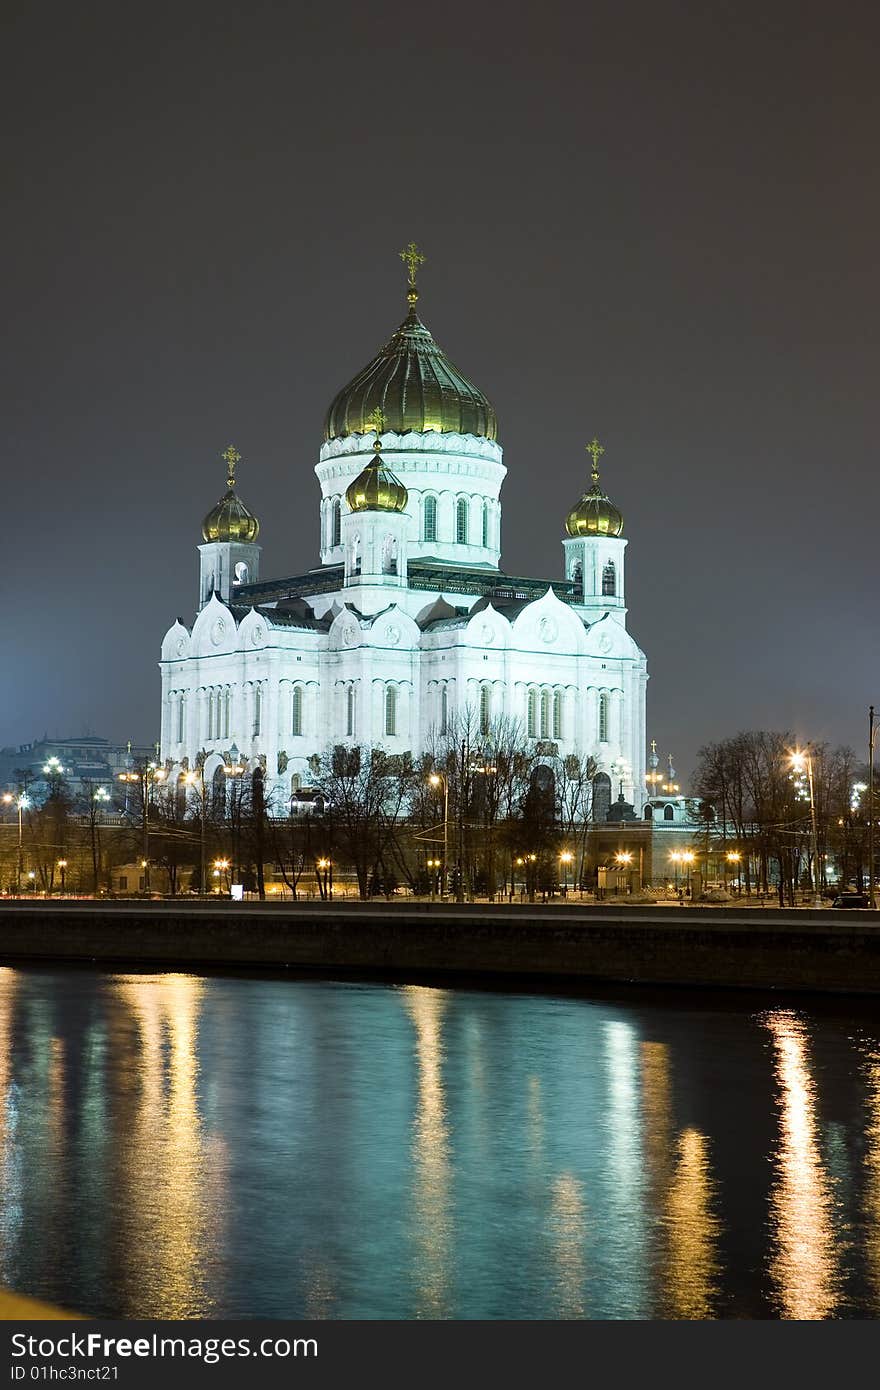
x=597, y=450
x=412, y=258
x=376, y=422
x=653, y=745
x=232, y=457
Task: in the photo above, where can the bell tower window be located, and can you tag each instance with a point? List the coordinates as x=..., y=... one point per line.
x=609, y=580
x=461, y=521
x=430, y=519
x=335, y=522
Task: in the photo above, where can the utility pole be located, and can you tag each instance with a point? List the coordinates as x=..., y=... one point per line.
x=872, y=732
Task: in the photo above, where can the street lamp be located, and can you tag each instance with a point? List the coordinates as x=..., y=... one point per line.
x=688, y=857
x=326, y=866
x=437, y=779
x=62, y=864
x=22, y=800
x=193, y=779
x=433, y=865
x=733, y=856
x=221, y=866
x=675, y=856
x=800, y=761
x=565, y=859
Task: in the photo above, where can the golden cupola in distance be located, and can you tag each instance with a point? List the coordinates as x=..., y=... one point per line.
x=376, y=488
x=229, y=519
x=413, y=383
x=595, y=514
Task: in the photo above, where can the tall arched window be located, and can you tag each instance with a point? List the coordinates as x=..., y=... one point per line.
x=389, y=555
x=349, y=710
x=669, y=813
x=603, y=718
x=532, y=715
x=258, y=710
x=295, y=783
x=557, y=714
x=444, y=709
x=577, y=579
x=461, y=521
x=649, y=812
x=227, y=704
x=296, y=711
x=545, y=713
x=485, y=708
x=181, y=714
x=429, y=522
x=390, y=711
x=609, y=580
x=484, y=511
x=336, y=522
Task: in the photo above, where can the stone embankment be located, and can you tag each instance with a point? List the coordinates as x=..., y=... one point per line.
x=797, y=949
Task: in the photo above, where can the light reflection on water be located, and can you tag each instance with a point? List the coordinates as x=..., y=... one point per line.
x=177, y=1146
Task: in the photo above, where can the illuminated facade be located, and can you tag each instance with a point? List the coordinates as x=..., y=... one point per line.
x=408, y=619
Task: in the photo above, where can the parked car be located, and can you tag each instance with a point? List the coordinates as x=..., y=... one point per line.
x=851, y=900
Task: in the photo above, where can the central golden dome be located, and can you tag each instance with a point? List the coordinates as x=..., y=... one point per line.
x=414, y=384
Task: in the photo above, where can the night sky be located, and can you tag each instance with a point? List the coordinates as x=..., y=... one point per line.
x=653, y=222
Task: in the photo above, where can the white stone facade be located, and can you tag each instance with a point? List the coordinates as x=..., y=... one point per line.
x=407, y=620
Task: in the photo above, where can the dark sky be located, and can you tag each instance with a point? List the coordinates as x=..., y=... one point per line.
x=655, y=222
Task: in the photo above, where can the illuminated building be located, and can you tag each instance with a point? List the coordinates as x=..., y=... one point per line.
x=408, y=619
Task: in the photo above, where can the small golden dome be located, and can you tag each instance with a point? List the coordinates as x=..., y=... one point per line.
x=413, y=383
x=376, y=488
x=595, y=514
x=230, y=519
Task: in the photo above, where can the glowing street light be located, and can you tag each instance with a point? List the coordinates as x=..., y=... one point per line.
x=438, y=779
x=195, y=779
x=62, y=864
x=802, y=760
x=565, y=858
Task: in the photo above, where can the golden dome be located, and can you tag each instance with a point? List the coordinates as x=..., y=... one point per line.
x=413, y=383
x=230, y=519
x=376, y=488
x=595, y=514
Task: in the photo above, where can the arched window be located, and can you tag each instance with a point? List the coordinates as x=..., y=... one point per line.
x=532, y=716
x=227, y=705
x=241, y=573
x=649, y=813
x=296, y=711
x=484, y=510
x=603, y=718
x=390, y=711
x=218, y=790
x=429, y=522
x=485, y=708
x=295, y=783
x=336, y=522
x=557, y=714
x=355, y=554
x=444, y=709
x=349, y=710
x=669, y=813
x=258, y=710
x=601, y=797
x=389, y=556
x=609, y=580
x=181, y=714
x=577, y=579
x=545, y=713
x=461, y=521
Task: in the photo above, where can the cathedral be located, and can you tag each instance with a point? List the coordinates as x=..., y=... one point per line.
x=408, y=619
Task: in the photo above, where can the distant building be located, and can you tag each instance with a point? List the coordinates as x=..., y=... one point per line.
x=85, y=763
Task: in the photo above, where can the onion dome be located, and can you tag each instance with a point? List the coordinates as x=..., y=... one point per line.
x=230, y=519
x=413, y=383
x=595, y=514
x=376, y=488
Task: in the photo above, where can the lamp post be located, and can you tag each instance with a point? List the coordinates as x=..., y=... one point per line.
x=435, y=779
x=326, y=868
x=100, y=799
x=800, y=761
x=194, y=779
x=675, y=856
x=565, y=859
x=22, y=800
x=221, y=867
x=872, y=733
x=623, y=859
x=733, y=856
x=62, y=865
x=688, y=857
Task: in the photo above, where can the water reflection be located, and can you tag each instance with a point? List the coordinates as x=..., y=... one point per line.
x=173, y=1146
x=172, y=1192
x=430, y=1148
x=803, y=1267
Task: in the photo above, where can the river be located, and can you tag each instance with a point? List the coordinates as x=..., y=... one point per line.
x=186, y=1146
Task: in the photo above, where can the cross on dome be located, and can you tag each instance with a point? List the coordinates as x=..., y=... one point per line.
x=596, y=450
x=232, y=457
